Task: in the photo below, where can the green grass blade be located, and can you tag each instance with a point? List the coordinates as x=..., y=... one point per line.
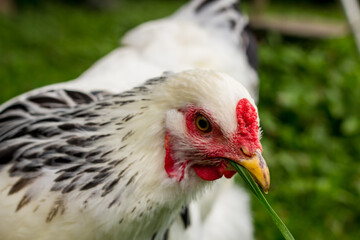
x=259, y=194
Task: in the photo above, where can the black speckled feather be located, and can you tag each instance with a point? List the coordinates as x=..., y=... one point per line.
x=56, y=129
x=61, y=130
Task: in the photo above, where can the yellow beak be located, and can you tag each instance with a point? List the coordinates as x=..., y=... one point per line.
x=258, y=169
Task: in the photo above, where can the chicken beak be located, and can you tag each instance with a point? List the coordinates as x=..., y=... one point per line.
x=258, y=169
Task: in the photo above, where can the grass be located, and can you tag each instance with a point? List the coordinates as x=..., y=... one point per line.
x=309, y=111
x=47, y=43
x=259, y=194
x=309, y=105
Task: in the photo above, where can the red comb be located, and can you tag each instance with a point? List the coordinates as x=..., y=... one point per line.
x=247, y=133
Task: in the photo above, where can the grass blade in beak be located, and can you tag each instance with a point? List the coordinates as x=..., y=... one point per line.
x=259, y=194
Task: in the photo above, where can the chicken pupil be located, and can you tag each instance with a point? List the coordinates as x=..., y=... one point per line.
x=203, y=123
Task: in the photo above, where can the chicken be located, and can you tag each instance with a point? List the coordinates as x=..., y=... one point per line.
x=95, y=165
x=203, y=34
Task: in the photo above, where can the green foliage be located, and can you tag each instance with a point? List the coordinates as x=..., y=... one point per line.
x=309, y=111
x=309, y=105
x=259, y=194
x=50, y=42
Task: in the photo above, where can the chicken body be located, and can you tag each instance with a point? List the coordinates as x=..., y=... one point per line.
x=91, y=166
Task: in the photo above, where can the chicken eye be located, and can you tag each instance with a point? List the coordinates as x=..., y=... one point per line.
x=203, y=124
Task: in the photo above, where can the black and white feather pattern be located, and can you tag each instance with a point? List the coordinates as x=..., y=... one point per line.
x=80, y=144
x=55, y=130
x=61, y=129
x=226, y=16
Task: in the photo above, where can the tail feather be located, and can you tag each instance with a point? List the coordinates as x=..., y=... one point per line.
x=226, y=17
x=214, y=14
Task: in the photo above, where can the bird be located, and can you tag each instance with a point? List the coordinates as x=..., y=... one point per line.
x=202, y=34
x=121, y=166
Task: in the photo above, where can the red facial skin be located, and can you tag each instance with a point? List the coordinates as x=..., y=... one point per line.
x=214, y=148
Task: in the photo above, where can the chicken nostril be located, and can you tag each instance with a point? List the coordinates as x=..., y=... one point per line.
x=245, y=152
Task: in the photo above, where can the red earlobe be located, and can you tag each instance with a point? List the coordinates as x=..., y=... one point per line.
x=170, y=162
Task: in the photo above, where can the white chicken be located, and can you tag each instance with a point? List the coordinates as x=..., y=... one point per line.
x=47, y=188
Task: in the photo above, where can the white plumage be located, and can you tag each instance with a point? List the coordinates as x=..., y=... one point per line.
x=206, y=38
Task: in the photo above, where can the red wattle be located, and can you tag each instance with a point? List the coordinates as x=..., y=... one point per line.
x=208, y=173
x=211, y=173
x=229, y=173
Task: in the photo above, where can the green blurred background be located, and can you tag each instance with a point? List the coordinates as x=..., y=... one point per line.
x=309, y=99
